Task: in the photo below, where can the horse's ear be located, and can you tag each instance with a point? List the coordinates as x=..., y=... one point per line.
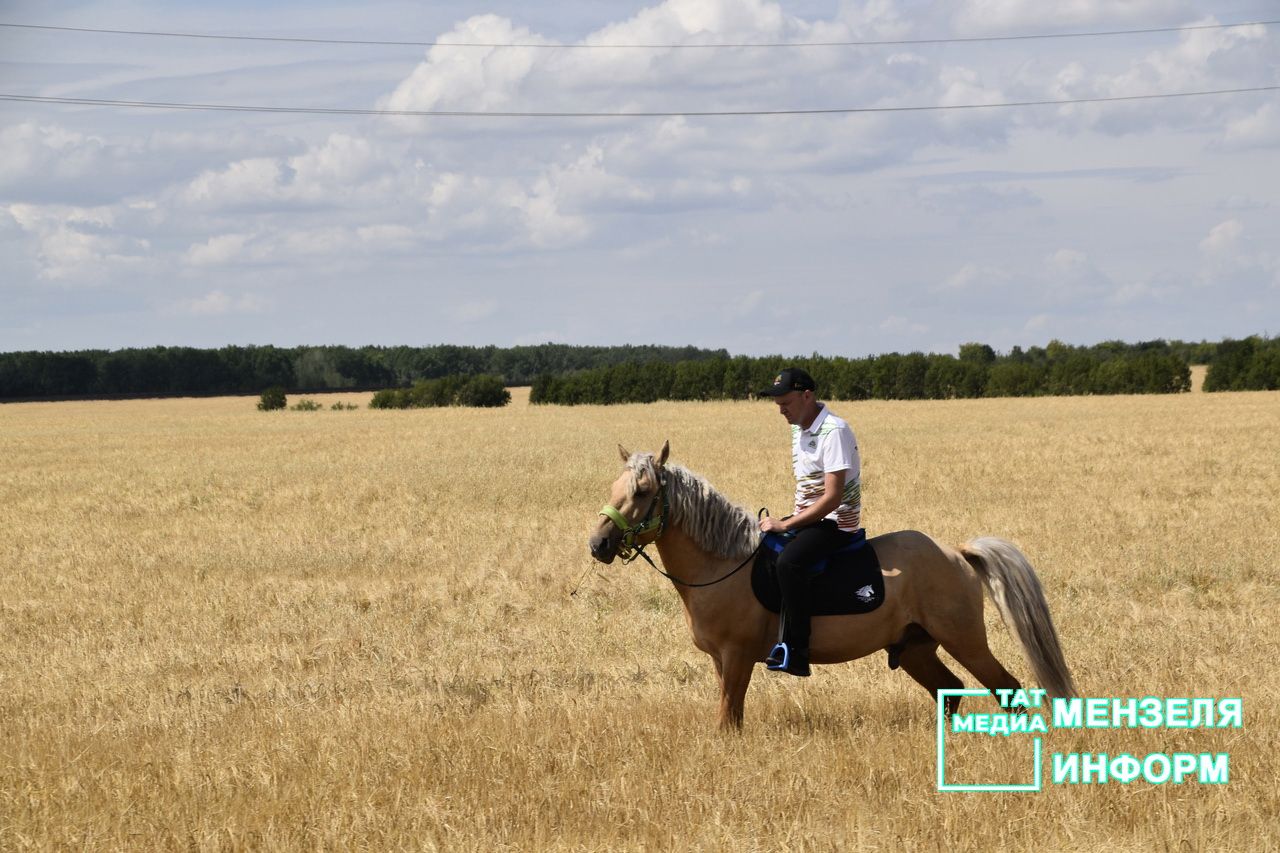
x=666, y=451
x=624, y=453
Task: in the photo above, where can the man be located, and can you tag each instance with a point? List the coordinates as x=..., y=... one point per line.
x=828, y=506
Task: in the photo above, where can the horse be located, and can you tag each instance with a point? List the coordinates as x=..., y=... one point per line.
x=933, y=592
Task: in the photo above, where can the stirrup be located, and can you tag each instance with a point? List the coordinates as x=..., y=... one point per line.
x=783, y=659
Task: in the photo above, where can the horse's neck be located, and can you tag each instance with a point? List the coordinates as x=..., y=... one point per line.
x=713, y=612
x=685, y=559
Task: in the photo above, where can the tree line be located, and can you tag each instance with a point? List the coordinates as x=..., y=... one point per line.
x=561, y=373
x=1251, y=364
x=173, y=371
x=1059, y=369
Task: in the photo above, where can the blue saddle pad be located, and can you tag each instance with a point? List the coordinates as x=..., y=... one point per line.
x=847, y=581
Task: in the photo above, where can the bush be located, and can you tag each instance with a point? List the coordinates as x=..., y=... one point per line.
x=305, y=405
x=484, y=392
x=272, y=399
x=390, y=398
x=476, y=391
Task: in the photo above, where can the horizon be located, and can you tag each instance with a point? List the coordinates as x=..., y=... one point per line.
x=711, y=349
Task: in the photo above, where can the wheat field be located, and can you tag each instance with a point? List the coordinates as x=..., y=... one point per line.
x=224, y=629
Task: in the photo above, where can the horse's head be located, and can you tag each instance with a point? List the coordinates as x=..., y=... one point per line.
x=636, y=510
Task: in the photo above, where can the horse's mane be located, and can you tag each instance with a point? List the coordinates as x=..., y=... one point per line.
x=711, y=520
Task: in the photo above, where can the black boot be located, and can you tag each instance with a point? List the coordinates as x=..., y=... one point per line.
x=784, y=658
x=791, y=653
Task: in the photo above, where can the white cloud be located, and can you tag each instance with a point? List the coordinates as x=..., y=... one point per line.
x=341, y=164
x=1223, y=238
x=1072, y=276
x=50, y=150
x=217, y=250
x=245, y=181
x=976, y=277
x=932, y=210
x=472, y=79
x=546, y=225
x=77, y=245
x=1201, y=60
x=1010, y=16
x=1231, y=259
x=1260, y=129
x=1037, y=324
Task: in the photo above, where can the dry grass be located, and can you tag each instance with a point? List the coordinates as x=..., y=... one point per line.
x=225, y=629
x=1198, y=373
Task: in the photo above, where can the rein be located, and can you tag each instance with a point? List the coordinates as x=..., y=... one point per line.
x=629, y=549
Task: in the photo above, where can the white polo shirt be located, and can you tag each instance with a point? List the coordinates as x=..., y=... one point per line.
x=828, y=445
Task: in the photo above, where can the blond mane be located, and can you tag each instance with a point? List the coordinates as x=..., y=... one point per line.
x=712, y=521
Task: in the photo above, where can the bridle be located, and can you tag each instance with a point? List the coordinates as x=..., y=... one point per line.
x=630, y=548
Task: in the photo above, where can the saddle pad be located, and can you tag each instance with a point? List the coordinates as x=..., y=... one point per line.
x=848, y=581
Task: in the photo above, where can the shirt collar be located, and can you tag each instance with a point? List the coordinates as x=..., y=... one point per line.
x=817, y=421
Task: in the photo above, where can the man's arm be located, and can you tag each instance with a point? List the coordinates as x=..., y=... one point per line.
x=832, y=490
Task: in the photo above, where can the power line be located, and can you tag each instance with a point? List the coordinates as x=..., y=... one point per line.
x=585, y=46
x=162, y=105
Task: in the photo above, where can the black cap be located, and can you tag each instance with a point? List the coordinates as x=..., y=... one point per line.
x=790, y=379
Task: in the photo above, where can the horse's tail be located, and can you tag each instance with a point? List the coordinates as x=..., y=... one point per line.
x=1015, y=589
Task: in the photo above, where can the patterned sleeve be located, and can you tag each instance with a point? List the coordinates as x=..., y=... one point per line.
x=837, y=451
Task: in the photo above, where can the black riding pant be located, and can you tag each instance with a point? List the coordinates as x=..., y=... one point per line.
x=795, y=565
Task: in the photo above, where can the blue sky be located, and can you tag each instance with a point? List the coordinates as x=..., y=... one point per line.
x=847, y=234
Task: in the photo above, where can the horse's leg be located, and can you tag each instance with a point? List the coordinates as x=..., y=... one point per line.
x=734, y=668
x=920, y=660
x=975, y=656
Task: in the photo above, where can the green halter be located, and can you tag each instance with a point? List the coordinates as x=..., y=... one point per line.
x=628, y=550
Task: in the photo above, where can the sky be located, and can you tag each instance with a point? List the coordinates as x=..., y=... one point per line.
x=843, y=234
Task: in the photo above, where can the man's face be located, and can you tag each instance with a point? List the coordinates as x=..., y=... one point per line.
x=793, y=405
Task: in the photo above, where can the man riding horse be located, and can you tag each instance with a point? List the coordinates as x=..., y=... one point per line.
x=828, y=507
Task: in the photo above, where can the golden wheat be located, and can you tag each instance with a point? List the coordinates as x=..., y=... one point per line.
x=227, y=629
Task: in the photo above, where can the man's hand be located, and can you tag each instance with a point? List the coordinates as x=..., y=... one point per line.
x=833, y=488
x=769, y=524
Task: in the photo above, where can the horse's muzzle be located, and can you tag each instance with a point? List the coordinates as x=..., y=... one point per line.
x=602, y=548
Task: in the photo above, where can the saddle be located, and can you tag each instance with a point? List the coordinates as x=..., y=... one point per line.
x=845, y=582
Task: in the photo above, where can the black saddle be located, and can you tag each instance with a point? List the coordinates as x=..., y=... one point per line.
x=847, y=581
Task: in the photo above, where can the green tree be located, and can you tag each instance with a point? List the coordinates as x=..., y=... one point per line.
x=483, y=391
x=272, y=399
x=1230, y=364
x=980, y=354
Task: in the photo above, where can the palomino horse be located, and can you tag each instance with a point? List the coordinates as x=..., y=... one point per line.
x=933, y=593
